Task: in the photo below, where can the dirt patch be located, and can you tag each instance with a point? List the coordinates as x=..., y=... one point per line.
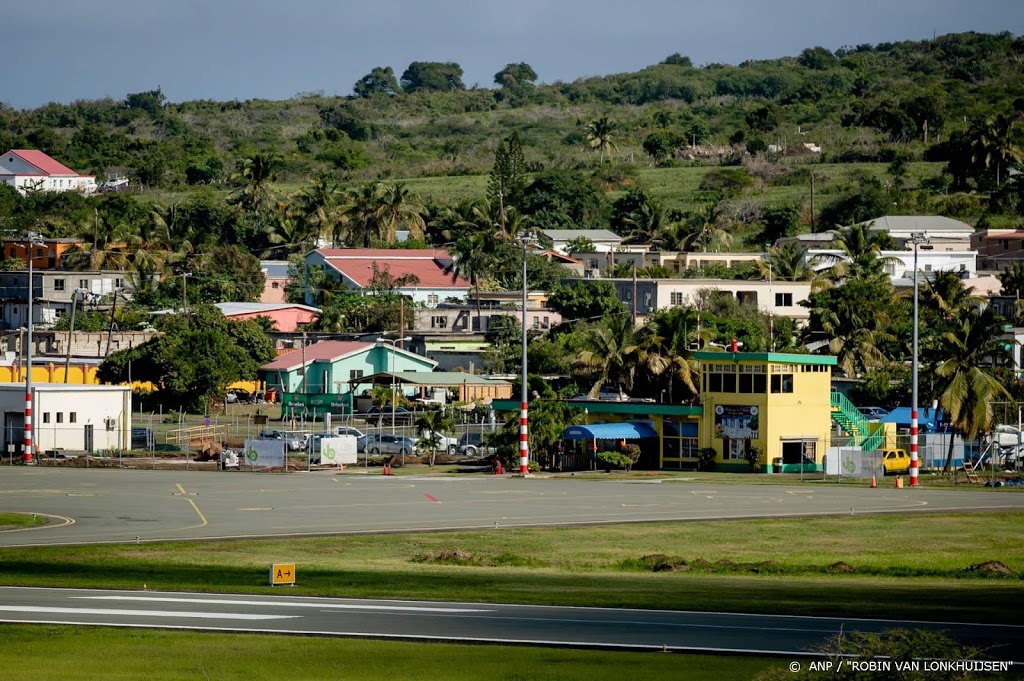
x=991, y=567
x=659, y=562
x=451, y=557
x=841, y=567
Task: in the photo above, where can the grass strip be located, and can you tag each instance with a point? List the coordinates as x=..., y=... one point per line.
x=58, y=653
x=14, y=521
x=890, y=566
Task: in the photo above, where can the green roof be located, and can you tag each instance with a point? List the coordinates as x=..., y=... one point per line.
x=776, y=357
x=607, y=407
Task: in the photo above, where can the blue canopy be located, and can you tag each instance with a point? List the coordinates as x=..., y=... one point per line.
x=630, y=430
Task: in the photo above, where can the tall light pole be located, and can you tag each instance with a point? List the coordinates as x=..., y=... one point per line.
x=32, y=239
x=393, y=341
x=916, y=238
x=524, y=407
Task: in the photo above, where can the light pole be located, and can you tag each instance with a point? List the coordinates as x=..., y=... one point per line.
x=32, y=239
x=393, y=342
x=916, y=238
x=524, y=408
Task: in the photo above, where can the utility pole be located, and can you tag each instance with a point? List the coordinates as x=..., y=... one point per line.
x=634, y=294
x=184, y=291
x=110, y=330
x=71, y=329
x=812, y=202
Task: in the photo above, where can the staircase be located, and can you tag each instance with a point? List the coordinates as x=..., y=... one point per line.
x=853, y=422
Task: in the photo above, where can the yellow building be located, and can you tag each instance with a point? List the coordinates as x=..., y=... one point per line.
x=778, y=402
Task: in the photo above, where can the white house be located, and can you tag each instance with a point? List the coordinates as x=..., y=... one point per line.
x=75, y=418
x=901, y=266
x=30, y=170
x=942, y=233
x=604, y=240
x=424, y=271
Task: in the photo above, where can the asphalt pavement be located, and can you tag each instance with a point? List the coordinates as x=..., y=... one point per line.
x=606, y=628
x=120, y=505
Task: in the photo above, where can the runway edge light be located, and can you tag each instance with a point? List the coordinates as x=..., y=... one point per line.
x=282, y=573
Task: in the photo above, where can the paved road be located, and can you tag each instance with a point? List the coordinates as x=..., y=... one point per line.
x=132, y=505
x=461, y=622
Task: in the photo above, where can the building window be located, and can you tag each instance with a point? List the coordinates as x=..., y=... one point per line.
x=119, y=283
x=676, y=298
x=546, y=322
x=783, y=300
x=58, y=284
x=83, y=283
x=438, y=322
x=536, y=323
x=355, y=373
x=46, y=417
x=1006, y=244
x=782, y=384
x=432, y=299
x=927, y=268
x=275, y=284
x=60, y=417
x=647, y=299
x=72, y=417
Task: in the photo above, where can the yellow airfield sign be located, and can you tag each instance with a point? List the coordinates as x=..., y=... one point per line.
x=282, y=573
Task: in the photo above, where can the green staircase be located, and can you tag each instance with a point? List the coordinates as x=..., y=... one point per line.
x=853, y=422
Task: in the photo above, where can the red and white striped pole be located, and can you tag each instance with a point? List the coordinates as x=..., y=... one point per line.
x=524, y=442
x=913, y=446
x=27, y=456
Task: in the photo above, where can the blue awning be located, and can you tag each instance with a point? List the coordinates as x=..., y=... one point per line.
x=610, y=431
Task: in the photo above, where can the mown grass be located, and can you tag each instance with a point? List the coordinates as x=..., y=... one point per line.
x=11, y=521
x=908, y=567
x=57, y=653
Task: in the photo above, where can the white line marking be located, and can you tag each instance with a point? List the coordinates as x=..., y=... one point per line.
x=329, y=606
x=145, y=613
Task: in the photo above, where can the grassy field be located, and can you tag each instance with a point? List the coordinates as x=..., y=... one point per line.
x=51, y=653
x=753, y=566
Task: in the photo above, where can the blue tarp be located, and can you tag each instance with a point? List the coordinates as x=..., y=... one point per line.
x=928, y=420
x=610, y=431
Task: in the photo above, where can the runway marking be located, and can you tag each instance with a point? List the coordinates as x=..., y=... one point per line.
x=67, y=521
x=145, y=613
x=285, y=604
x=194, y=507
x=431, y=497
x=268, y=508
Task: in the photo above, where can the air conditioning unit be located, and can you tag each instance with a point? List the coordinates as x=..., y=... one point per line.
x=110, y=422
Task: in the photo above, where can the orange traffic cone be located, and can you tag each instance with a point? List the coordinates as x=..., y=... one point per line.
x=387, y=469
x=499, y=469
x=874, y=482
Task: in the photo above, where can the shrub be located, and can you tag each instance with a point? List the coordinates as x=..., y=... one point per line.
x=610, y=460
x=755, y=457
x=706, y=458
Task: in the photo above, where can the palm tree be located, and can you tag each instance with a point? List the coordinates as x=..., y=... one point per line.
x=290, y=232
x=704, y=230
x=667, y=347
x=317, y=205
x=431, y=426
x=788, y=262
x=612, y=354
x=397, y=208
x=946, y=295
x=860, y=254
x=601, y=136
x=256, y=175
x=470, y=259
x=997, y=145
x=965, y=370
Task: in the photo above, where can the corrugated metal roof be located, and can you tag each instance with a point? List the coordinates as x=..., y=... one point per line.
x=275, y=269
x=570, y=234
x=919, y=223
x=324, y=350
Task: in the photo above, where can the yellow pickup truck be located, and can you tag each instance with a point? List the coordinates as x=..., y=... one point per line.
x=895, y=461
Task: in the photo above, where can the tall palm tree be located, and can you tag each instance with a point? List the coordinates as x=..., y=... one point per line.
x=398, y=208
x=612, y=354
x=256, y=175
x=601, y=136
x=471, y=260
x=860, y=255
x=704, y=230
x=945, y=294
x=998, y=145
x=966, y=373
x=317, y=205
x=290, y=231
x=667, y=347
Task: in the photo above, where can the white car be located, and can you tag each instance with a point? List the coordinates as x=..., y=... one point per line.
x=445, y=444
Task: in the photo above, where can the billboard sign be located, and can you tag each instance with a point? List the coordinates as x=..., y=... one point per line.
x=335, y=451
x=264, y=453
x=736, y=422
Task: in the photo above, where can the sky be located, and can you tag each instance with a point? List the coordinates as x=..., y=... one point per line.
x=272, y=49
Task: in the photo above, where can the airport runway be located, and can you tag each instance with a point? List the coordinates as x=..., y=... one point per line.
x=607, y=628
x=116, y=505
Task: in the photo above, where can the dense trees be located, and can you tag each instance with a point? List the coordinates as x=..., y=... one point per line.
x=432, y=76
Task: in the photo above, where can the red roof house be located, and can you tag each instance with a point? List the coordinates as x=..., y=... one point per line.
x=31, y=170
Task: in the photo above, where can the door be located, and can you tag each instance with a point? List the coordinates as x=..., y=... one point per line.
x=89, y=443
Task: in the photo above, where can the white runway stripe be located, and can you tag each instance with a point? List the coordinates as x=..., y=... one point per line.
x=144, y=613
x=321, y=606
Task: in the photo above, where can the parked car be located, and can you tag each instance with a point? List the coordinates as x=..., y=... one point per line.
x=472, y=444
x=348, y=430
x=238, y=396
x=292, y=442
x=401, y=445
x=444, y=444
x=383, y=415
x=895, y=461
x=873, y=413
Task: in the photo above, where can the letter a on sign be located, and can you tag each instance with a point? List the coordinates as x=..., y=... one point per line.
x=282, y=573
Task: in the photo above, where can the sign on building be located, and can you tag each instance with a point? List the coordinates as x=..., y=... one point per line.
x=264, y=453
x=736, y=422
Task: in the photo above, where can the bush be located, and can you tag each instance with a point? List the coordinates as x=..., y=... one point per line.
x=610, y=460
x=755, y=458
x=706, y=458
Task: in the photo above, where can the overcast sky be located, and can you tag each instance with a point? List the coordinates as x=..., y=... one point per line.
x=64, y=50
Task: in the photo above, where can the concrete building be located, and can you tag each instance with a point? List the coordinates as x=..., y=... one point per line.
x=73, y=418
x=463, y=317
x=900, y=265
x=781, y=298
x=422, y=275
x=46, y=256
x=943, y=234
x=998, y=248
x=53, y=292
x=276, y=279
x=604, y=240
x=31, y=170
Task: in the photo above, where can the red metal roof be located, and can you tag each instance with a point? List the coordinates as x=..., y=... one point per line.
x=324, y=351
x=428, y=265
x=42, y=161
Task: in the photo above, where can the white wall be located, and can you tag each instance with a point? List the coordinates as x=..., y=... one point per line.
x=106, y=408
